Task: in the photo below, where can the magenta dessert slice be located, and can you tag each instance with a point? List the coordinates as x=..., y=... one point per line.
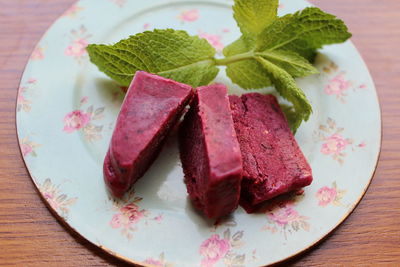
x=210, y=153
x=273, y=163
x=151, y=107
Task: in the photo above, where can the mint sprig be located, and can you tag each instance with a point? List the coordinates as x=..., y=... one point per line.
x=271, y=51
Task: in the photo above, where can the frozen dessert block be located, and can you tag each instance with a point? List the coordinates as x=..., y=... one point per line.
x=152, y=106
x=210, y=153
x=273, y=163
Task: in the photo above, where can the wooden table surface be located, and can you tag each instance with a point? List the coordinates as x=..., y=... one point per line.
x=31, y=236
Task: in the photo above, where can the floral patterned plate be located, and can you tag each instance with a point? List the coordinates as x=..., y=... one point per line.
x=65, y=116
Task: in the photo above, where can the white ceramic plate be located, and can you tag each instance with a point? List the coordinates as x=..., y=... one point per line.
x=66, y=113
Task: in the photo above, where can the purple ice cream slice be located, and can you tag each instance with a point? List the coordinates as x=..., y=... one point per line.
x=273, y=163
x=210, y=153
x=152, y=106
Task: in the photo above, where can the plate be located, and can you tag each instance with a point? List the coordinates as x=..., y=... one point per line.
x=66, y=111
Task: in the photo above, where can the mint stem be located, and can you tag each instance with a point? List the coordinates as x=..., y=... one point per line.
x=235, y=58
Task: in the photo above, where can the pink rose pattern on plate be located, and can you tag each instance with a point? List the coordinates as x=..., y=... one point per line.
x=77, y=47
x=28, y=147
x=73, y=11
x=24, y=94
x=334, y=144
x=79, y=119
x=38, y=53
x=283, y=217
x=159, y=262
x=128, y=215
x=330, y=195
x=146, y=26
x=338, y=84
x=119, y=3
x=57, y=200
x=189, y=15
x=76, y=120
x=217, y=248
x=213, y=39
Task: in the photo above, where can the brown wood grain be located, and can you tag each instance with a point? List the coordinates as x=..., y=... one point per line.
x=31, y=236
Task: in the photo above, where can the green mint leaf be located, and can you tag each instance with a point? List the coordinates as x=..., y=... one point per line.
x=197, y=74
x=253, y=16
x=244, y=44
x=168, y=53
x=303, y=32
x=291, y=62
x=248, y=73
x=288, y=89
x=291, y=115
